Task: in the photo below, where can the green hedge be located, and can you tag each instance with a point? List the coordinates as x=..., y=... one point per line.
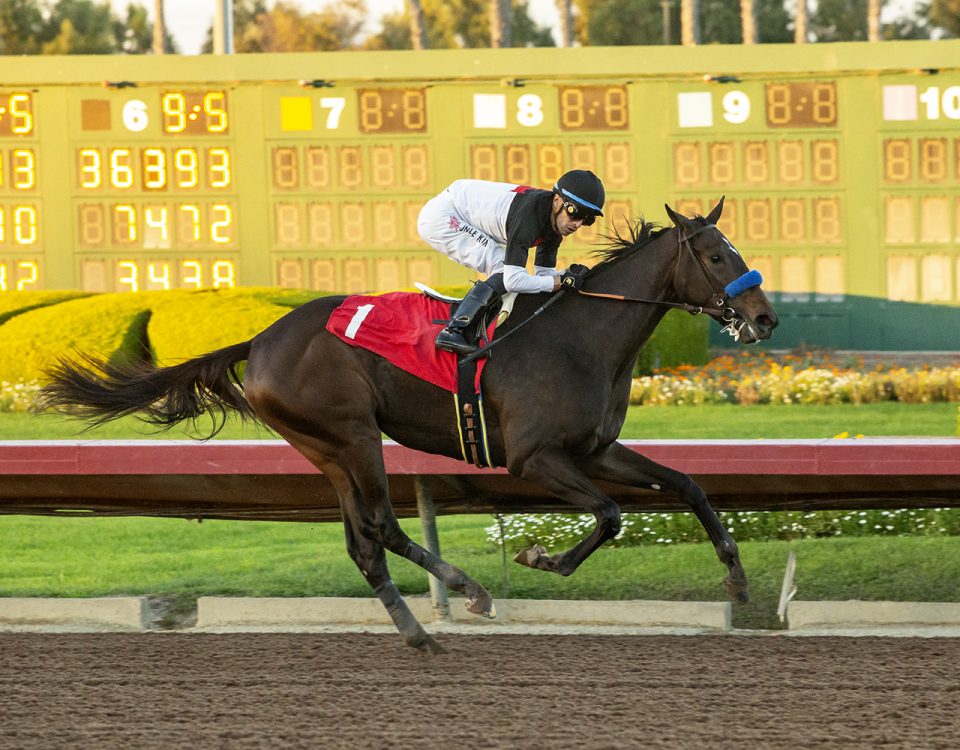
x=188, y=324
x=680, y=339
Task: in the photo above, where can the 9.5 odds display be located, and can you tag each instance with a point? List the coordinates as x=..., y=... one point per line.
x=840, y=164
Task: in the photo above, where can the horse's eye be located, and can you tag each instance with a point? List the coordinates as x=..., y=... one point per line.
x=715, y=258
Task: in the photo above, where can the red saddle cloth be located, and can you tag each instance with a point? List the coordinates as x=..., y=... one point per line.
x=399, y=327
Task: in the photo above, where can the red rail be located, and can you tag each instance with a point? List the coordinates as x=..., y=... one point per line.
x=269, y=480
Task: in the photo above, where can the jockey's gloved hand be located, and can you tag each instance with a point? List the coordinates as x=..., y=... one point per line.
x=572, y=278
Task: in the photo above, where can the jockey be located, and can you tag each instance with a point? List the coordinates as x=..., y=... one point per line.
x=491, y=226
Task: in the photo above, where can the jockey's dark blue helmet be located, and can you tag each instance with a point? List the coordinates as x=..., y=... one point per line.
x=582, y=193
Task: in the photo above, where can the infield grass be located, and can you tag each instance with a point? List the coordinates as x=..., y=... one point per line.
x=709, y=421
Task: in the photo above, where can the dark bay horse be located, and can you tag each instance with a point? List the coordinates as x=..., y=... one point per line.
x=555, y=394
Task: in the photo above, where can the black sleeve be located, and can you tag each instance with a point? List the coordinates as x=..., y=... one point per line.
x=547, y=252
x=528, y=220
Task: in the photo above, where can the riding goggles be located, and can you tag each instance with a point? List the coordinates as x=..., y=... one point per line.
x=577, y=213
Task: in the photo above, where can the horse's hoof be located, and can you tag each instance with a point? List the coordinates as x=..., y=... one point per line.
x=736, y=590
x=482, y=605
x=531, y=556
x=428, y=646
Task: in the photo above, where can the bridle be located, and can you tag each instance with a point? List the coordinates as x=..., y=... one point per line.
x=721, y=310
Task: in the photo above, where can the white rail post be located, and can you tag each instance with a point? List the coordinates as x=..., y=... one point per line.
x=431, y=540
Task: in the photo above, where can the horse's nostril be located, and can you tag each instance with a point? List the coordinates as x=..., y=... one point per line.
x=767, y=323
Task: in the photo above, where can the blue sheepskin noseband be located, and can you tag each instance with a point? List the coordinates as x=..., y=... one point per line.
x=739, y=285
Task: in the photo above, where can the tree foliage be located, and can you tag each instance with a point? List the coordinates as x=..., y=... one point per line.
x=946, y=15
x=73, y=27
x=460, y=23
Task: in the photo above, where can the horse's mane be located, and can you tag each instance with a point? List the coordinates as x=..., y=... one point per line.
x=618, y=245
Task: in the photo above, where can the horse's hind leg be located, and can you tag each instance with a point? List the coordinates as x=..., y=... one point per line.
x=372, y=561
x=617, y=463
x=370, y=512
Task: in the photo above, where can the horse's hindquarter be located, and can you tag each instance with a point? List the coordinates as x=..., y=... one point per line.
x=301, y=376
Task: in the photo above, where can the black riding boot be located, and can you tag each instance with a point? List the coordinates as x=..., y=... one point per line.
x=451, y=338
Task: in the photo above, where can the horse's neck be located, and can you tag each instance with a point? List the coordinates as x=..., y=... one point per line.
x=643, y=274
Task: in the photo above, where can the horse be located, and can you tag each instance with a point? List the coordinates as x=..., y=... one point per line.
x=555, y=396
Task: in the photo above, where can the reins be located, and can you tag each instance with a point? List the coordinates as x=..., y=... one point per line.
x=721, y=311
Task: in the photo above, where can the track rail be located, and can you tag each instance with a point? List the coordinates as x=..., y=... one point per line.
x=268, y=480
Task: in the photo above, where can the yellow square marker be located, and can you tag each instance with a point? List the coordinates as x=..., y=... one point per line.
x=296, y=113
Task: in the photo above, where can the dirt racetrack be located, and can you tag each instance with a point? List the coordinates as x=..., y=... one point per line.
x=163, y=690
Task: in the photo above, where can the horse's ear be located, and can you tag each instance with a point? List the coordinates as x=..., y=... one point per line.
x=676, y=218
x=714, y=215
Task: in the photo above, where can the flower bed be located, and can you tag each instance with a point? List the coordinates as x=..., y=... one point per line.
x=558, y=530
x=748, y=379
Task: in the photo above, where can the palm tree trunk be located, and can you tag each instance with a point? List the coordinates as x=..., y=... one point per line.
x=800, y=23
x=566, y=22
x=501, y=22
x=873, y=20
x=418, y=30
x=748, y=21
x=689, y=22
x=159, y=29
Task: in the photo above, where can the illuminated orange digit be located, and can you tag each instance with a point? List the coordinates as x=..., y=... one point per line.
x=25, y=225
x=121, y=168
x=223, y=273
x=154, y=169
x=215, y=106
x=21, y=114
x=156, y=232
x=128, y=275
x=158, y=276
x=24, y=169
x=220, y=175
x=824, y=103
x=191, y=274
x=187, y=166
x=91, y=175
x=124, y=224
x=221, y=223
x=174, y=112
x=188, y=223
x=3, y=225
x=4, y=284
x=28, y=273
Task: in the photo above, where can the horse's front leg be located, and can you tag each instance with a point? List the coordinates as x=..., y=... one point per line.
x=555, y=470
x=617, y=463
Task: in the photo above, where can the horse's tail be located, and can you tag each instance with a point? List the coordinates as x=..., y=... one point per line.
x=99, y=391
